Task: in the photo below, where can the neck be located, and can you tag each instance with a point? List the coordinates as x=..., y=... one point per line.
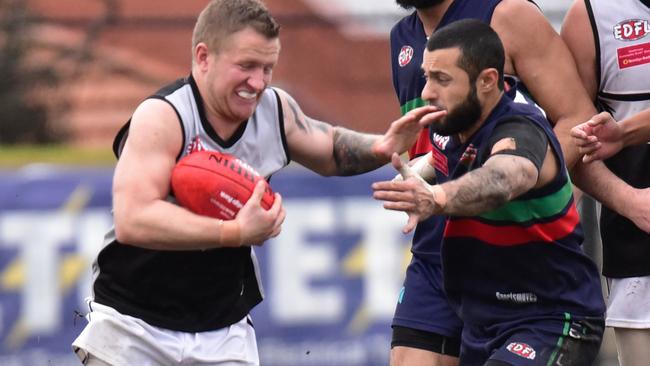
x=487, y=106
x=224, y=127
x=431, y=17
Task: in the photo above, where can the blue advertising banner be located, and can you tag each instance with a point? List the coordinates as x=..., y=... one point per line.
x=330, y=279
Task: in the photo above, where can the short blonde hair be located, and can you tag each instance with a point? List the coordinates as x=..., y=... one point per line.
x=221, y=18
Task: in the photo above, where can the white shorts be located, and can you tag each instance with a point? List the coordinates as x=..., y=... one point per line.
x=628, y=303
x=123, y=340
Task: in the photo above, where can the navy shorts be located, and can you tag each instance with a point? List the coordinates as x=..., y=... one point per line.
x=422, y=304
x=549, y=341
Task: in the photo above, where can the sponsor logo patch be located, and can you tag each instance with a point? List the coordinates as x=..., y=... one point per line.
x=517, y=298
x=440, y=141
x=631, y=56
x=522, y=350
x=405, y=56
x=631, y=29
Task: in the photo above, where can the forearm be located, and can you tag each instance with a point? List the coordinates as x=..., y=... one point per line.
x=476, y=192
x=569, y=149
x=354, y=152
x=636, y=129
x=600, y=183
x=162, y=225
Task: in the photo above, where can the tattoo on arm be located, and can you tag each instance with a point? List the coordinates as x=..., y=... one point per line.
x=479, y=191
x=305, y=123
x=353, y=152
x=297, y=116
x=491, y=186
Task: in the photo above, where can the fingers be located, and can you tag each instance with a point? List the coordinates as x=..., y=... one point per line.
x=399, y=206
x=578, y=131
x=393, y=196
x=402, y=168
x=277, y=203
x=280, y=218
x=432, y=117
x=600, y=119
x=389, y=185
x=593, y=155
x=258, y=192
x=420, y=112
x=410, y=224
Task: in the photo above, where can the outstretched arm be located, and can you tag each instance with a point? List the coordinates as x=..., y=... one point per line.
x=502, y=178
x=332, y=150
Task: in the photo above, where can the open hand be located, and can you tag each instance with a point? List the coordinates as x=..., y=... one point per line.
x=403, y=133
x=411, y=195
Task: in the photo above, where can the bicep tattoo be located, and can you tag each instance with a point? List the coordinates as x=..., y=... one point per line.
x=304, y=123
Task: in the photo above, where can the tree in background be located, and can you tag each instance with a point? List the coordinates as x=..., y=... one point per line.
x=26, y=86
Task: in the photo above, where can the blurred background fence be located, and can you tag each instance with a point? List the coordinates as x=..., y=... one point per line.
x=71, y=72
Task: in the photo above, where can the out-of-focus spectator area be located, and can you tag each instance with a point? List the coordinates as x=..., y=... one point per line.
x=72, y=72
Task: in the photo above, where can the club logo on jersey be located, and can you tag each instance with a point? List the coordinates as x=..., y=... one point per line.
x=405, y=56
x=194, y=146
x=522, y=350
x=631, y=29
x=469, y=155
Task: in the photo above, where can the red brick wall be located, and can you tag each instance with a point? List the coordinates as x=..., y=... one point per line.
x=334, y=78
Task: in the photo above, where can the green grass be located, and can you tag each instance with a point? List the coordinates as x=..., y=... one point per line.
x=20, y=155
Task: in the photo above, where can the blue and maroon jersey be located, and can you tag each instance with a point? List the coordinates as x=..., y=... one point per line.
x=523, y=259
x=407, y=44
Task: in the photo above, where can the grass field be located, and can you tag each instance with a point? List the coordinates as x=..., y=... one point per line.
x=16, y=156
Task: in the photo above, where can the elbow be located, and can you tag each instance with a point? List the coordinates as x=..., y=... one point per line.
x=126, y=231
x=123, y=233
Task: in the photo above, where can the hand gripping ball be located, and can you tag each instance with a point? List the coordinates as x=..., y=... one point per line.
x=216, y=184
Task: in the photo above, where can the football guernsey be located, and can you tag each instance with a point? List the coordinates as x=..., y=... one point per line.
x=622, y=38
x=199, y=290
x=523, y=260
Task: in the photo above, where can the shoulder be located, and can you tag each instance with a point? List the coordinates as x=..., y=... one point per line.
x=577, y=19
x=282, y=96
x=523, y=28
x=516, y=14
x=510, y=8
x=404, y=26
x=156, y=120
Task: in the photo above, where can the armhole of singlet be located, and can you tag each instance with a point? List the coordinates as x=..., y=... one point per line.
x=283, y=135
x=594, y=31
x=180, y=122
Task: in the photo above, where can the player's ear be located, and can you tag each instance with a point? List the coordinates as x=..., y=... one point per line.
x=201, y=54
x=488, y=80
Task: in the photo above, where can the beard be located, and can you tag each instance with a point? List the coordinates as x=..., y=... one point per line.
x=418, y=4
x=460, y=118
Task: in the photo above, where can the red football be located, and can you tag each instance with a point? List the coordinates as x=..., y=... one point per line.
x=215, y=184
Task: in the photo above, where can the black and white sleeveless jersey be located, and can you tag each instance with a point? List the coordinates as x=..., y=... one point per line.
x=194, y=291
x=622, y=38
